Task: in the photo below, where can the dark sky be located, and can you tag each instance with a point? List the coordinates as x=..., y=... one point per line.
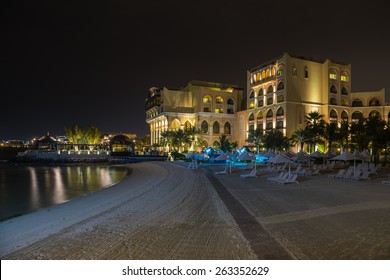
x=93, y=62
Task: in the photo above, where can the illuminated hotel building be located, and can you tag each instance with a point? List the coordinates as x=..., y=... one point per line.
x=280, y=93
x=209, y=107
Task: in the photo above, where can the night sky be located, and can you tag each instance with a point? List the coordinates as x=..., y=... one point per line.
x=93, y=62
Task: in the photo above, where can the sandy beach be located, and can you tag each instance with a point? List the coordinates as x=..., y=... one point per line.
x=165, y=211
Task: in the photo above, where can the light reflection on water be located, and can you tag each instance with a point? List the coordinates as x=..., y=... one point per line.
x=27, y=189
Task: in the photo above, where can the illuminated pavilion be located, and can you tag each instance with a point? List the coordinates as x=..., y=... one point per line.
x=280, y=93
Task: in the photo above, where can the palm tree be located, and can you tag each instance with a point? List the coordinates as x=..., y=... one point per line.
x=376, y=130
x=224, y=144
x=300, y=137
x=193, y=136
x=274, y=140
x=315, y=124
x=331, y=134
x=167, y=139
x=358, y=134
x=180, y=139
x=256, y=137
x=344, y=132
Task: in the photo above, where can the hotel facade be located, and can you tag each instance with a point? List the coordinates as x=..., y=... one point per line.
x=279, y=94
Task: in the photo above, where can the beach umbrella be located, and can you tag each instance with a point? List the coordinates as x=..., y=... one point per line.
x=318, y=154
x=346, y=156
x=365, y=155
x=301, y=156
x=279, y=158
x=288, y=154
x=246, y=156
x=269, y=154
x=226, y=156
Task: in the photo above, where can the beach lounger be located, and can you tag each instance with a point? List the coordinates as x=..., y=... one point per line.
x=290, y=179
x=364, y=176
x=225, y=171
x=251, y=174
x=338, y=175
x=282, y=176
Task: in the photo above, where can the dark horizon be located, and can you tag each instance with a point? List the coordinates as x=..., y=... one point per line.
x=90, y=63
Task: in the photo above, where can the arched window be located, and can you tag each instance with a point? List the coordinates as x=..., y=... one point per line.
x=215, y=144
x=261, y=92
x=333, y=101
x=206, y=103
x=273, y=71
x=268, y=125
x=260, y=120
x=263, y=74
x=251, y=117
x=344, y=77
x=344, y=102
x=344, y=116
x=279, y=124
x=260, y=115
x=260, y=102
x=280, y=71
x=175, y=124
x=258, y=77
x=268, y=73
x=333, y=74
x=227, y=128
x=216, y=127
x=270, y=89
x=204, y=128
x=357, y=103
x=333, y=114
x=270, y=100
x=374, y=114
x=306, y=72
x=280, y=98
x=252, y=94
x=356, y=115
x=280, y=86
x=270, y=114
x=333, y=89
x=187, y=125
x=344, y=91
x=374, y=102
x=230, y=106
x=251, y=105
x=219, y=105
x=280, y=112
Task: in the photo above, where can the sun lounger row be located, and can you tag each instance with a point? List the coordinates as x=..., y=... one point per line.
x=284, y=178
x=351, y=174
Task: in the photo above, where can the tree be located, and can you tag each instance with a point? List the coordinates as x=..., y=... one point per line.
x=274, y=140
x=358, y=134
x=194, y=139
x=315, y=125
x=344, y=133
x=224, y=144
x=180, y=139
x=167, y=139
x=256, y=137
x=74, y=134
x=376, y=130
x=331, y=134
x=92, y=135
x=300, y=137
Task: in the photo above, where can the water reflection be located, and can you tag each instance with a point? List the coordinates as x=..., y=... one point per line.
x=27, y=189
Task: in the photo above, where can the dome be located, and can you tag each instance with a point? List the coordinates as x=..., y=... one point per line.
x=120, y=139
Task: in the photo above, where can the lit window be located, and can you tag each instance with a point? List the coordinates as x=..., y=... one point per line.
x=333, y=76
x=344, y=78
x=219, y=100
x=251, y=105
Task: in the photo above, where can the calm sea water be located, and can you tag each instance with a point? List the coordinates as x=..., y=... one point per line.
x=26, y=189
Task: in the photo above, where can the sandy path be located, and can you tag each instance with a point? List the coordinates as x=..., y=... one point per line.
x=161, y=211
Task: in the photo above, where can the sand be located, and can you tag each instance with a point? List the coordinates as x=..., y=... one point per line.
x=161, y=211
x=165, y=211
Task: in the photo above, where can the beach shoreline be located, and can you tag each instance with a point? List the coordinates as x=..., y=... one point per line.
x=166, y=211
